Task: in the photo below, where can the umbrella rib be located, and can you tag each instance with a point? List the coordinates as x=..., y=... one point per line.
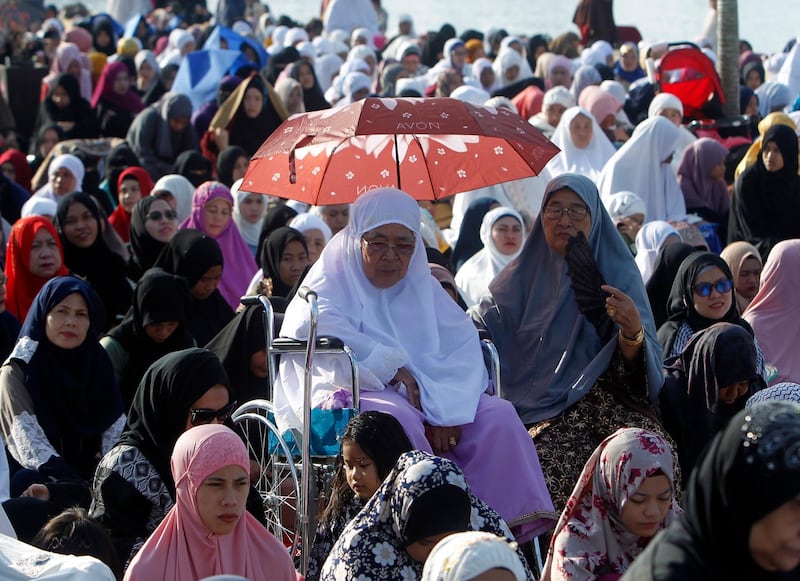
x=427, y=169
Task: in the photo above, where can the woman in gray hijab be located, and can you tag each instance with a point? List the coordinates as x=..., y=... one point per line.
x=572, y=323
x=162, y=132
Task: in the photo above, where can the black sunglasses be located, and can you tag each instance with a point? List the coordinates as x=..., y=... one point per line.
x=155, y=215
x=206, y=416
x=704, y=289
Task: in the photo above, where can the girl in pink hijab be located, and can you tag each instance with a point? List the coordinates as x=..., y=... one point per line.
x=208, y=531
x=212, y=214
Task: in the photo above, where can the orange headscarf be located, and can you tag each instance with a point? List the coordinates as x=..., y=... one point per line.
x=22, y=285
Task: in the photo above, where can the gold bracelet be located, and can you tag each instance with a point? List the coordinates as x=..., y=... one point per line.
x=632, y=341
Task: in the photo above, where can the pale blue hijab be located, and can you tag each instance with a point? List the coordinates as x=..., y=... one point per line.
x=550, y=354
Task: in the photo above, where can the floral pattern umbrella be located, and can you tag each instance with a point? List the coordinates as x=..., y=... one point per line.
x=430, y=148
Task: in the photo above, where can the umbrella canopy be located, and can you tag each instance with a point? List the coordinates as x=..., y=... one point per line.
x=431, y=148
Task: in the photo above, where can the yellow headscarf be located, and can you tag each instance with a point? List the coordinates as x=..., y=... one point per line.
x=764, y=125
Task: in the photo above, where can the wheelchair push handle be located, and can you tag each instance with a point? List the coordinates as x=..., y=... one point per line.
x=306, y=293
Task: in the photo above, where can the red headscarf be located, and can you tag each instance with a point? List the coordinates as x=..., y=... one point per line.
x=104, y=89
x=23, y=285
x=120, y=219
x=21, y=168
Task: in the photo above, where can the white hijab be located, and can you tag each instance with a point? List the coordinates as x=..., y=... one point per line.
x=475, y=274
x=639, y=167
x=181, y=189
x=250, y=230
x=588, y=161
x=649, y=241
x=413, y=324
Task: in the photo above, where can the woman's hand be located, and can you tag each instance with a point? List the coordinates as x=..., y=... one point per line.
x=442, y=438
x=412, y=389
x=221, y=138
x=37, y=491
x=622, y=310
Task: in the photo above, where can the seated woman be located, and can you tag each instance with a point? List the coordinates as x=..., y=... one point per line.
x=585, y=149
x=60, y=405
x=181, y=390
x=701, y=175
x=248, y=214
x=63, y=105
x=700, y=296
x=740, y=517
x=315, y=231
x=745, y=263
x=371, y=445
x=86, y=254
x=178, y=191
x=502, y=234
x=284, y=259
x=155, y=325
x=579, y=357
x=659, y=286
x=64, y=176
x=33, y=256
x=765, y=207
x=707, y=385
x=651, y=239
x=153, y=224
x=242, y=348
x=114, y=101
x=212, y=209
x=774, y=310
x=133, y=184
x=624, y=496
x=198, y=259
x=232, y=164
x=208, y=531
x=423, y=500
x=369, y=279
x=627, y=211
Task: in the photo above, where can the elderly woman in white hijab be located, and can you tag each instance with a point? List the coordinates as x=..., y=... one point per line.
x=555, y=102
x=419, y=356
x=628, y=213
x=669, y=106
x=64, y=176
x=473, y=555
x=508, y=67
x=315, y=231
x=651, y=239
x=503, y=234
x=642, y=165
x=585, y=149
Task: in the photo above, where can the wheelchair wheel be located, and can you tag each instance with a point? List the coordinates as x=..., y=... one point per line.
x=276, y=477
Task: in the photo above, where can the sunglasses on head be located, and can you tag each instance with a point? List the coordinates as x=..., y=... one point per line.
x=156, y=215
x=206, y=416
x=722, y=286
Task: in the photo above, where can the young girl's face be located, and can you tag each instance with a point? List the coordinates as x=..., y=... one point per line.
x=360, y=471
x=644, y=513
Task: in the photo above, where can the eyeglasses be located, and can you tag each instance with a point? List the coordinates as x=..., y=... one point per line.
x=206, y=416
x=703, y=289
x=155, y=215
x=576, y=213
x=382, y=248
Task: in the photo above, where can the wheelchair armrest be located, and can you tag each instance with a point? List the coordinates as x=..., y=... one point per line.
x=285, y=345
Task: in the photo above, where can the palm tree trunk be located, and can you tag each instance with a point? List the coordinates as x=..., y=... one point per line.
x=728, y=44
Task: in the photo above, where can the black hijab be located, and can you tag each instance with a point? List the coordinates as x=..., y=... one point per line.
x=313, y=98
x=279, y=61
x=102, y=23
x=249, y=133
x=161, y=404
x=765, y=207
x=102, y=268
x=226, y=161
x=660, y=284
x=717, y=357
x=434, y=45
x=275, y=218
x=681, y=300
x=271, y=254
x=159, y=297
x=749, y=470
x=235, y=344
x=193, y=166
x=77, y=107
x=469, y=235
x=190, y=254
x=120, y=158
x=74, y=392
x=144, y=248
